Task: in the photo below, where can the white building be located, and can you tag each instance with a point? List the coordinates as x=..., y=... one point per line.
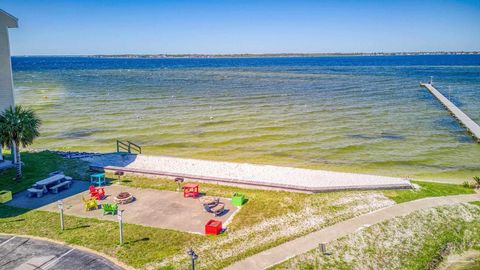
x=6, y=80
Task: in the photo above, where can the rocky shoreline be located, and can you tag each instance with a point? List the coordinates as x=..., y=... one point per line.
x=74, y=154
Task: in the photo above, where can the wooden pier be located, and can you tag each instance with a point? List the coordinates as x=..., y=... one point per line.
x=472, y=127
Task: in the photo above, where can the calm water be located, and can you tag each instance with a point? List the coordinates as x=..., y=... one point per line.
x=364, y=114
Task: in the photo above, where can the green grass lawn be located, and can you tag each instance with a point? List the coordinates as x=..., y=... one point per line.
x=427, y=189
x=142, y=244
x=37, y=167
x=476, y=203
x=268, y=219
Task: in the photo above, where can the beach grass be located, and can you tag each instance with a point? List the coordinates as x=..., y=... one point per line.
x=421, y=240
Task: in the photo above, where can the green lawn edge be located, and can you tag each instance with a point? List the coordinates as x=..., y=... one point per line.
x=427, y=189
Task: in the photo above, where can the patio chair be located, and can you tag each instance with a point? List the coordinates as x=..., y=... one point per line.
x=215, y=202
x=218, y=209
x=98, y=193
x=89, y=204
x=206, y=207
x=109, y=208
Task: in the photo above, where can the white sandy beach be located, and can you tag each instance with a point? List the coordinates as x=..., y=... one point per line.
x=246, y=174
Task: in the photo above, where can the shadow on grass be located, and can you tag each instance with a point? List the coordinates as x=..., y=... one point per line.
x=14, y=220
x=7, y=211
x=78, y=227
x=138, y=240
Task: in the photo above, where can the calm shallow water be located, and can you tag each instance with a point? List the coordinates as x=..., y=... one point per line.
x=364, y=114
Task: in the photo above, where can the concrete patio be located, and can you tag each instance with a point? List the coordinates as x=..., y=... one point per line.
x=155, y=208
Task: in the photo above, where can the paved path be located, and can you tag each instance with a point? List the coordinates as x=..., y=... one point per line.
x=5, y=164
x=306, y=243
x=21, y=199
x=21, y=253
x=244, y=174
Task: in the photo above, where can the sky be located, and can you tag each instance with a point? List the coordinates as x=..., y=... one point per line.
x=243, y=26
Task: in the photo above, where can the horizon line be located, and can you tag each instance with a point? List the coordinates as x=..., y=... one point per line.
x=166, y=55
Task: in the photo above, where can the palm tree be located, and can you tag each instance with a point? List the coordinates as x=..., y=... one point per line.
x=18, y=126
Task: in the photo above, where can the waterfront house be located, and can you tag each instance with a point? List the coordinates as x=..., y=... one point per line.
x=6, y=82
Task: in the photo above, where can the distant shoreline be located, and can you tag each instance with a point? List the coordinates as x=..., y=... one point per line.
x=266, y=55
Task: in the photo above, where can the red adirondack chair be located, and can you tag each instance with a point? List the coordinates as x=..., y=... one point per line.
x=97, y=193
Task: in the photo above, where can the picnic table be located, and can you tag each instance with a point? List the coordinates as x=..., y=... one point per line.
x=54, y=183
x=52, y=180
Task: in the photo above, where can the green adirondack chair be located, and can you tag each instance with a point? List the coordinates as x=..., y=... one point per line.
x=109, y=208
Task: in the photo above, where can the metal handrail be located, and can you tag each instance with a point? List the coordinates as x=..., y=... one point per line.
x=139, y=148
x=128, y=146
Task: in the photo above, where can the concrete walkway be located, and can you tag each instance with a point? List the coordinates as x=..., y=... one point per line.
x=308, y=242
x=5, y=164
x=22, y=253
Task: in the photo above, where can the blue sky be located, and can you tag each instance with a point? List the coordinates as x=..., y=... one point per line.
x=117, y=26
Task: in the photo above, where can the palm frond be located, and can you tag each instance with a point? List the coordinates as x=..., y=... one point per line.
x=20, y=125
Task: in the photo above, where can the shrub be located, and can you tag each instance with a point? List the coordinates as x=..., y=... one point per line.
x=477, y=180
x=468, y=184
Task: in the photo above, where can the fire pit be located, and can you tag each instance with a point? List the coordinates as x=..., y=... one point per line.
x=123, y=198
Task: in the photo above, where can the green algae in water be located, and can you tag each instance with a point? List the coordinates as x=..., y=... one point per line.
x=347, y=114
